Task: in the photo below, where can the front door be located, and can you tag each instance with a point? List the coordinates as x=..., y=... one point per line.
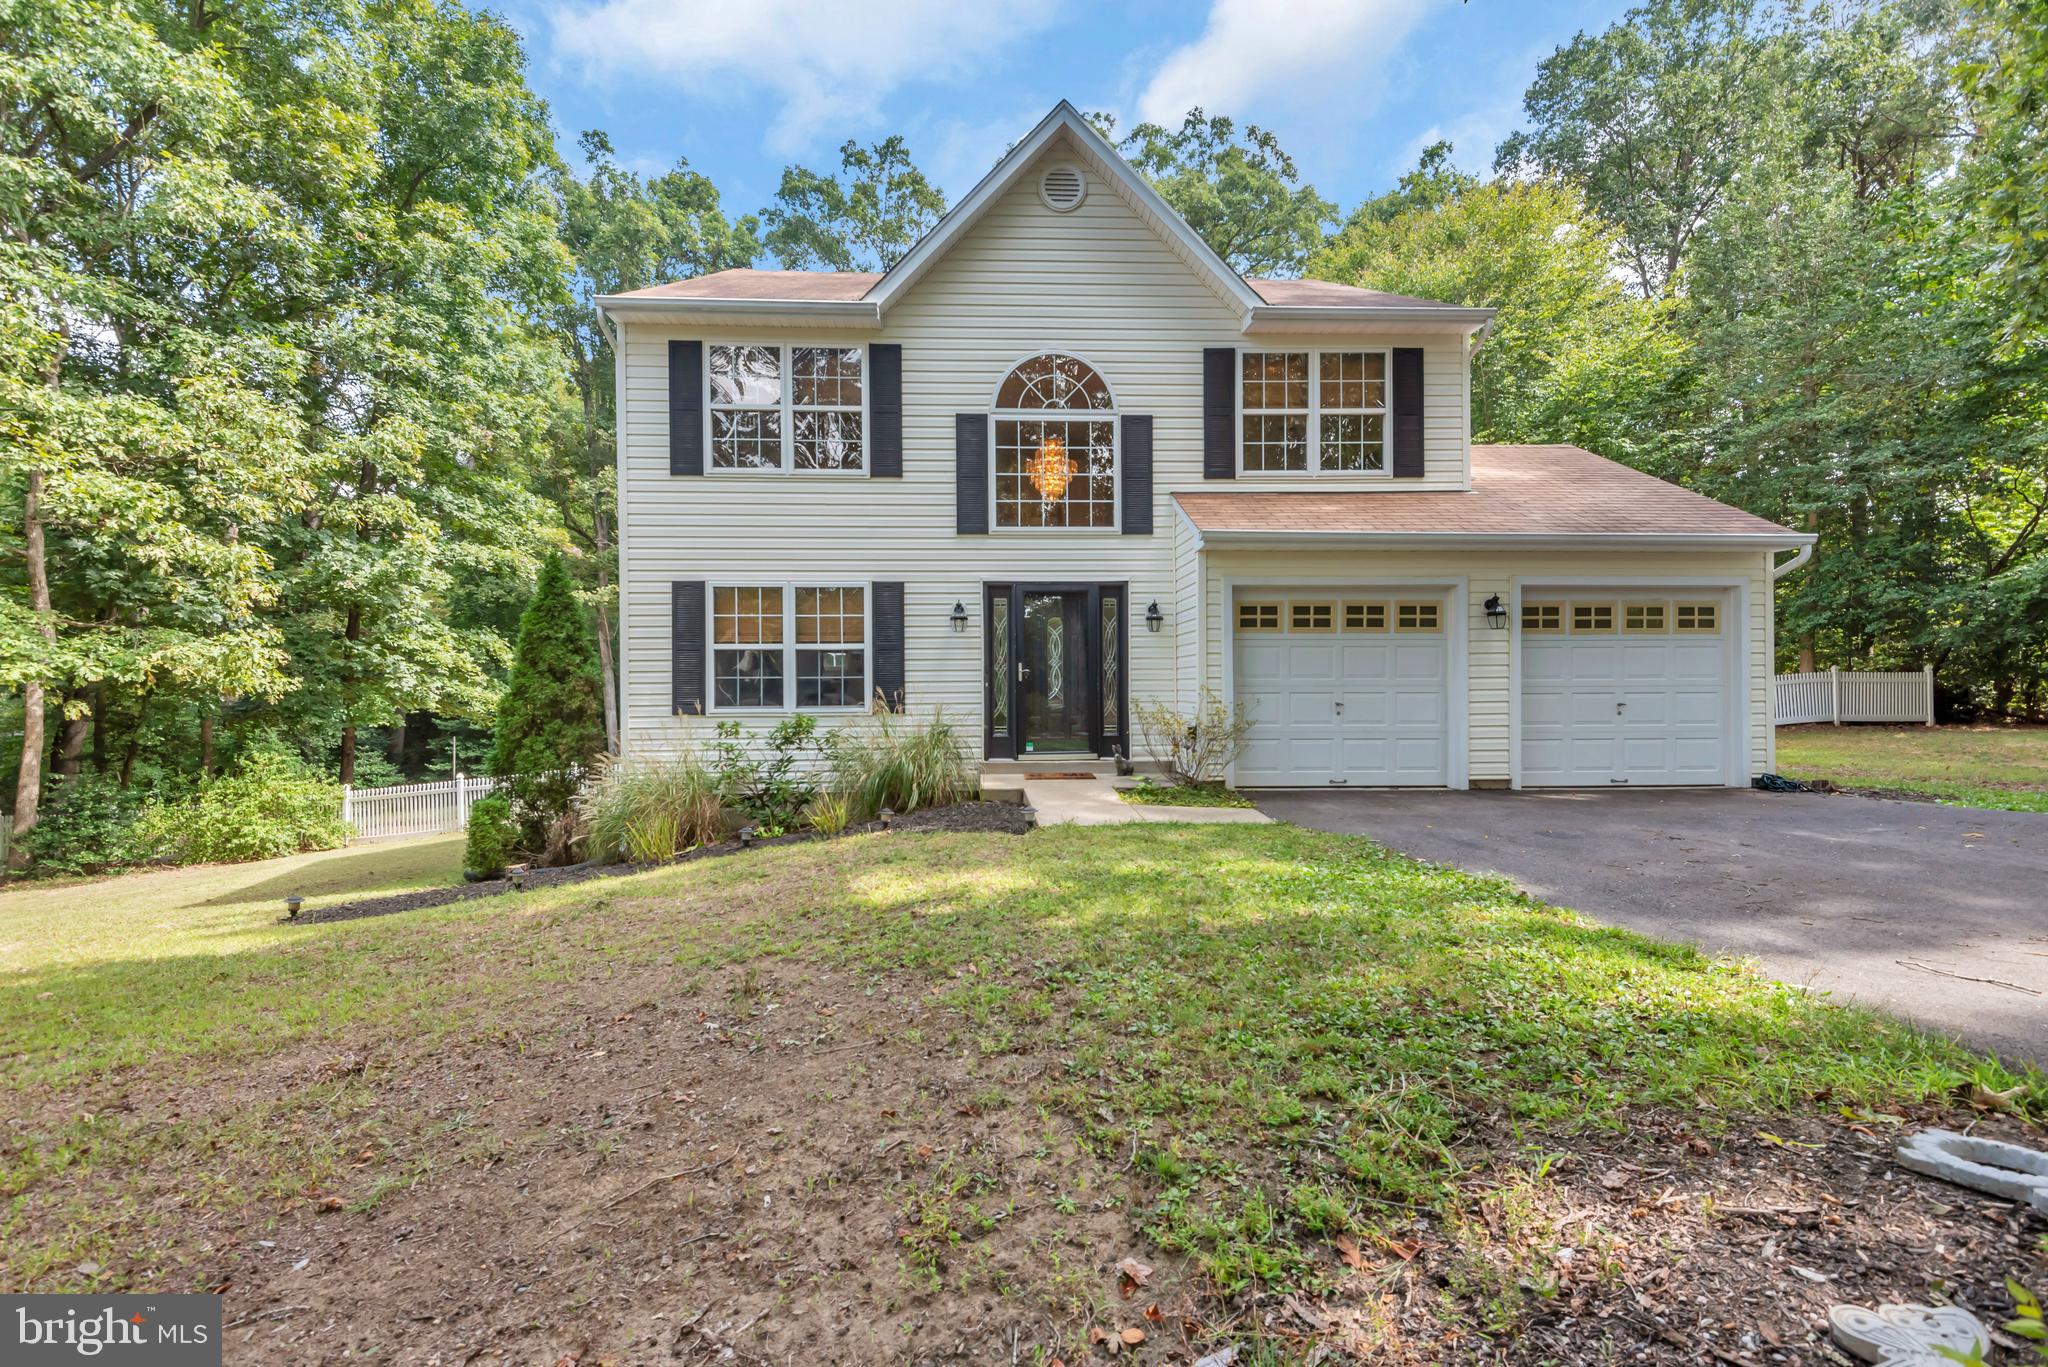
x=1054, y=679
x=1054, y=670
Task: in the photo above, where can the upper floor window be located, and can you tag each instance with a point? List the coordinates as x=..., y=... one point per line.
x=1055, y=471
x=1313, y=412
x=786, y=407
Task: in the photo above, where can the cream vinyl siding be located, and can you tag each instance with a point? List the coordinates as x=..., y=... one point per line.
x=1490, y=652
x=1096, y=282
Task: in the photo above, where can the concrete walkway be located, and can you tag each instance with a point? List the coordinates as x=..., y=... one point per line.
x=1093, y=802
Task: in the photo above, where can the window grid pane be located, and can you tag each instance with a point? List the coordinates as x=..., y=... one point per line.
x=1258, y=616
x=827, y=439
x=831, y=616
x=1056, y=382
x=830, y=678
x=1354, y=441
x=746, y=376
x=1592, y=617
x=825, y=377
x=1034, y=457
x=747, y=616
x=1365, y=617
x=1275, y=380
x=1643, y=617
x=747, y=678
x=1415, y=617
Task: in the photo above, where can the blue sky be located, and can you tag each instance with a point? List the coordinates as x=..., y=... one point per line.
x=1354, y=88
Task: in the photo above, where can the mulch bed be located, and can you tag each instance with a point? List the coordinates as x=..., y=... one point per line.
x=1003, y=818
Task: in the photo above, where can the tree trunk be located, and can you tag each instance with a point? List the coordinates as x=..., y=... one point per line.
x=394, y=747
x=134, y=742
x=71, y=734
x=1808, y=660
x=98, y=695
x=206, y=742
x=28, y=785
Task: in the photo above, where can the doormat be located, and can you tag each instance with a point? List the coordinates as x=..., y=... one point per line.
x=1037, y=778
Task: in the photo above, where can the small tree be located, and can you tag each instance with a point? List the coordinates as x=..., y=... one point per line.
x=551, y=719
x=1193, y=747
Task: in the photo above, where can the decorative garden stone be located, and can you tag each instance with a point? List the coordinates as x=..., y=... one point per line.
x=1907, y=1335
x=2009, y=1170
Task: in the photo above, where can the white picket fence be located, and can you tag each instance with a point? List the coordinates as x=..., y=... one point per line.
x=413, y=808
x=1840, y=695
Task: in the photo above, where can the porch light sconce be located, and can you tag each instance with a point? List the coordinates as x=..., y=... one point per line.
x=1154, y=618
x=1496, y=613
x=959, y=615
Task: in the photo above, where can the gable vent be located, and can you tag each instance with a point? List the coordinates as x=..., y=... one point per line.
x=1062, y=188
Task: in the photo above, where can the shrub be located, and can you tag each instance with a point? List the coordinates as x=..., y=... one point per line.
x=491, y=836
x=887, y=763
x=87, y=826
x=766, y=778
x=650, y=810
x=272, y=805
x=1193, y=747
x=830, y=813
x=551, y=719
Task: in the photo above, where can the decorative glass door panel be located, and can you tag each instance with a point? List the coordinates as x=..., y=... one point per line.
x=1056, y=681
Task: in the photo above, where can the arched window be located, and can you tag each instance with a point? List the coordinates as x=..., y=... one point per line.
x=1055, y=471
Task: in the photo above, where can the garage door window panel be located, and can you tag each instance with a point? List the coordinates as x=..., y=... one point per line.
x=1643, y=618
x=1698, y=617
x=1543, y=617
x=1311, y=616
x=1594, y=618
x=1418, y=617
x=1258, y=617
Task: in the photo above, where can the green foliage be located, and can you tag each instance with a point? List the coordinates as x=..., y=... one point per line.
x=492, y=837
x=1240, y=193
x=829, y=813
x=88, y=826
x=884, y=762
x=767, y=776
x=550, y=721
x=1150, y=792
x=1193, y=747
x=2007, y=75
x=863, y=219
x=273, y=804
x=652, y=809
x=1572, y=355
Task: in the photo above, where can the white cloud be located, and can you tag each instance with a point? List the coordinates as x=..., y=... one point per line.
x=1293, y=54
x=827, y=75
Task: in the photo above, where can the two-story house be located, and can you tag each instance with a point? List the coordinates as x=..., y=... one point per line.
x=1061, y=458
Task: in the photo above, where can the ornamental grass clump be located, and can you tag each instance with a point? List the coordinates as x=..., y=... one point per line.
x=901, y=766
x=649, y=810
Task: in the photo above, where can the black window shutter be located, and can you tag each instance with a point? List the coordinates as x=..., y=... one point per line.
x=1137, y=474
x=686, y=408
x=970, y=472
x=885, y=410
x=1219, y=412
x=1408, y=412
x=886, y=607
x=686, y=645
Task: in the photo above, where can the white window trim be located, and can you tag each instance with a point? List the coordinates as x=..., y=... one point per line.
x=1113, y=415
x=1315, y=414
x=790, y=645
x=786, y=367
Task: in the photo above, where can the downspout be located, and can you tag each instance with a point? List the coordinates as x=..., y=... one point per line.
x=1780, y=571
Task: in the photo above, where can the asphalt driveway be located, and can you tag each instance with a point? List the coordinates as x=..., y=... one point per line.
x=1939, y=914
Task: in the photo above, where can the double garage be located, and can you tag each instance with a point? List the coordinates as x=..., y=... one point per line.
x=1366, y=686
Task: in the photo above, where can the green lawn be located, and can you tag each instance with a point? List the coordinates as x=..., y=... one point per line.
x=207, y=909
x=1154, y=793
x=1973, y=766
x=1221, y=1045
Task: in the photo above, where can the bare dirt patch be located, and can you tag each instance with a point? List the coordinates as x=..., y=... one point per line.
x=784, y=1163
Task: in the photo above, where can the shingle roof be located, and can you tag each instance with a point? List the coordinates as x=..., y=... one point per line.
x=1516, y=491
x=809, y=287
x=813, y=287
x=1327, y=294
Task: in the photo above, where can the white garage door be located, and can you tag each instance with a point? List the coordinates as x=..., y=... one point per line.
x=1342, y=688
x=1623, y=689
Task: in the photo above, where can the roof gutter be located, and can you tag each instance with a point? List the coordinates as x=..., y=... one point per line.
x=1285, y=317
x=832, y=312
x=1631, y=541
x=1805, y=554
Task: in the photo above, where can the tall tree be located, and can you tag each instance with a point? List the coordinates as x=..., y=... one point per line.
x=1573, y=355
x=138, y=260
x=549, y=721
x=1240, y=192
x=2006, y=72
x=862, y=219
x=621, y=232
x=1653, y=119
